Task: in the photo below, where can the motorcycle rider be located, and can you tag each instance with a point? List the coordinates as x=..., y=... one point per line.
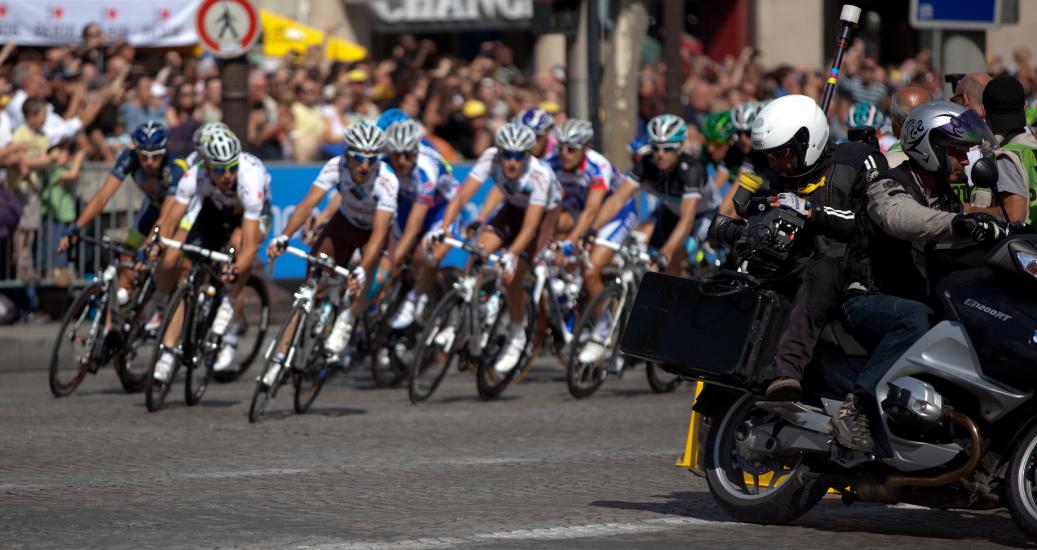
x=903, y=209
x=816, y=181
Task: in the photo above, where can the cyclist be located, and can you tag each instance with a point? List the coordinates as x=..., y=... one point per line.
x=866, y=114
x=541, y=122
x=586, y=177
x=156, y=174
x=234, y=189
x=523, y=226
x=367, y=190
x=675, y=178
x=426, y=186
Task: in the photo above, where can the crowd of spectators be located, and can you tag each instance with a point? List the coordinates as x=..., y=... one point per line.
x=62, y=105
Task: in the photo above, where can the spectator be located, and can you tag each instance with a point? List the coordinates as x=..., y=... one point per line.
x=969, y=92
x=264, y=129
x=26, y=184
x=359, y=86
x=868, y=85
x=141, y=106
x=310, y=126
x=183, y=119
x=212, y=100
x=59, y=207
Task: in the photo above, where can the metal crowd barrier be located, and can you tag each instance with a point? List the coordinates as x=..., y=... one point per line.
x=114, y=221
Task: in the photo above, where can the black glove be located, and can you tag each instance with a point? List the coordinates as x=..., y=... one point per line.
x=979, y=227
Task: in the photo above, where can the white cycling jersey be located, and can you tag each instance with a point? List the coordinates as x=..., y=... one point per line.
x=251, y=195
x=537, y=185
x=361, y=200
x=439, y=173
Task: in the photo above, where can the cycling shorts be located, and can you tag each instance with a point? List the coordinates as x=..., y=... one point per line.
x=614, y=233
x=507, y=223
x=146, y=218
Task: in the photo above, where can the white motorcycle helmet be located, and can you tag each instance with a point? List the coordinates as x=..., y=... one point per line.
x=792, y=121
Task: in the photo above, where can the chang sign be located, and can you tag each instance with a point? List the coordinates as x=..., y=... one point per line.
x=452, y=13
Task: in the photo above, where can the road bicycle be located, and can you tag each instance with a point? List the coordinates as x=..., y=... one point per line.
x=97, y=330
x=621, y=282
x=303, y=361
x=196, y=299
x=467, y=327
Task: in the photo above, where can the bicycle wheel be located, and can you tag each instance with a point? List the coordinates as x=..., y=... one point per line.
x=437, y=346
x=155, y=392
x=133, y=371
x=73, y=354
x=315, y=371
x=387, y=369
x=660, y=380
x=252, y=324
x=206, y=346
x=584, y=379
x=488, y=381
x=263, y=395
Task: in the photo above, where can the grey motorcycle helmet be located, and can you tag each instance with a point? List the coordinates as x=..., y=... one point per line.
x=933, y=128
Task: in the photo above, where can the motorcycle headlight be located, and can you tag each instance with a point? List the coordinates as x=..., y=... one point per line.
x=1027, y=261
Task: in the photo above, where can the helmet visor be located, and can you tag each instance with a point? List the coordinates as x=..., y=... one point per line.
x=963, y=132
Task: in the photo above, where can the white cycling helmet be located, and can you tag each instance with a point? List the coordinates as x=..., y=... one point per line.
x=404, y=136
x=792, y=121
x=221, y=148
x=574, y=131
x=514, y=136
x=364, y=137
x=205, y=131
x=743, y=116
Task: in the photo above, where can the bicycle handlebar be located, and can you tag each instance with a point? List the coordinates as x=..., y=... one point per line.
x=470, y=248
x=219, y=257
x=322, y=261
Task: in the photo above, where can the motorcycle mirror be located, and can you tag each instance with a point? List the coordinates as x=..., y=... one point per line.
x=984, y=173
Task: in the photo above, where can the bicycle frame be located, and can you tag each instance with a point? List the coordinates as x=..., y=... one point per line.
x=473, y=334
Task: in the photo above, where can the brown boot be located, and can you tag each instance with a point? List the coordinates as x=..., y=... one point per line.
x=783, y=389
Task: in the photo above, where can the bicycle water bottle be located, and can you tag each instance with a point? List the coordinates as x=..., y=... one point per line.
x=325, y=313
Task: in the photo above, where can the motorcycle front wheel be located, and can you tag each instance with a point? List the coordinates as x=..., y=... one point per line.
x=1022, y=483
x=761, y=489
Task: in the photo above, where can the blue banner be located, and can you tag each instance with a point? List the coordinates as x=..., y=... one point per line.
x=290, y=184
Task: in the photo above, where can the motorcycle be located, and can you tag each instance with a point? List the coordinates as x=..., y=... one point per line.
x=956, y=421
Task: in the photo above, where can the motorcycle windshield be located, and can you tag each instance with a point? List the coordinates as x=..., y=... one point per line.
x=963, y=132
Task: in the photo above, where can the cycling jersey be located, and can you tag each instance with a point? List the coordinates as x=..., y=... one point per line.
x=360, y=200
x=249, y=198
x=595, y=172
x=536, y=185
x=686, y=180
x=155, y=187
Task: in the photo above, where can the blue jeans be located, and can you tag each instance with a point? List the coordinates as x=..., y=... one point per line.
x=887, y=326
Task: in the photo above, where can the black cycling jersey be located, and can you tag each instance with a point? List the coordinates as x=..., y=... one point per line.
x=687, y=179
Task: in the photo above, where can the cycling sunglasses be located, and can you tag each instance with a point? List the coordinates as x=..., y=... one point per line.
x=656, y=147
x=222, y=169
x=514, y=155
x=572, y=148
x=362, y=158
x=149, y=154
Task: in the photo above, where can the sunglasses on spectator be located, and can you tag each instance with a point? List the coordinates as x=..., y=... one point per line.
x=657, y=147
x=155, y=153
x=514, y=155
x=364, y=158
x=219, y=170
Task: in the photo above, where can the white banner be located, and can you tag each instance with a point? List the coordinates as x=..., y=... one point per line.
x=143, y=23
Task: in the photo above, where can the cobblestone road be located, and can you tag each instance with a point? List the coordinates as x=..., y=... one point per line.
x=535, y=469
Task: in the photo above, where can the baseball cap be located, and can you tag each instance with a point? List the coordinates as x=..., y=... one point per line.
x=1005, y=103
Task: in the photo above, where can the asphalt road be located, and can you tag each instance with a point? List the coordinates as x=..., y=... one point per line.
x=366, y=469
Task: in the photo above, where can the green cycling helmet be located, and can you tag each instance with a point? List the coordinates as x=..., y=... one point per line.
x=718, y=127
x=1031, y=111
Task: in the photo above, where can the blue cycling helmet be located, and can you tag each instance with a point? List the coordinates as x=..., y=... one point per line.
x=391, y=116
x=150, y=136
x=865, y=114
x=538, y=120
x=638, y=146
x=667, y=129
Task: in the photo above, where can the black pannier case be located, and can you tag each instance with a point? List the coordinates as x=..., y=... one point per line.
x=706, y=330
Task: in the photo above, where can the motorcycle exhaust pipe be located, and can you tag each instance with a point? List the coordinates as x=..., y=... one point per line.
x=890, y=489
x=963, y=471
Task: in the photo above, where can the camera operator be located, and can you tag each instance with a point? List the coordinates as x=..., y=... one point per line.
x=904, y=209
x=816, y=181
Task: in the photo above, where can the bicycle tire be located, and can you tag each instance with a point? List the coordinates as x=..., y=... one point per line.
x=487, y=382
x=155, y=392
x=133, y=373
x=392, y=372
x=310, y=379
x=206, y=347
x=90, y=297
x=659, y=380
x=262, y=395
x=428, y=350
x=256, y=283
x=581, y=380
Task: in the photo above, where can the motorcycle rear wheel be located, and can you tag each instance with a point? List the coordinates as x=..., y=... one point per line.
x=789, y=492
x=1022, y=483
